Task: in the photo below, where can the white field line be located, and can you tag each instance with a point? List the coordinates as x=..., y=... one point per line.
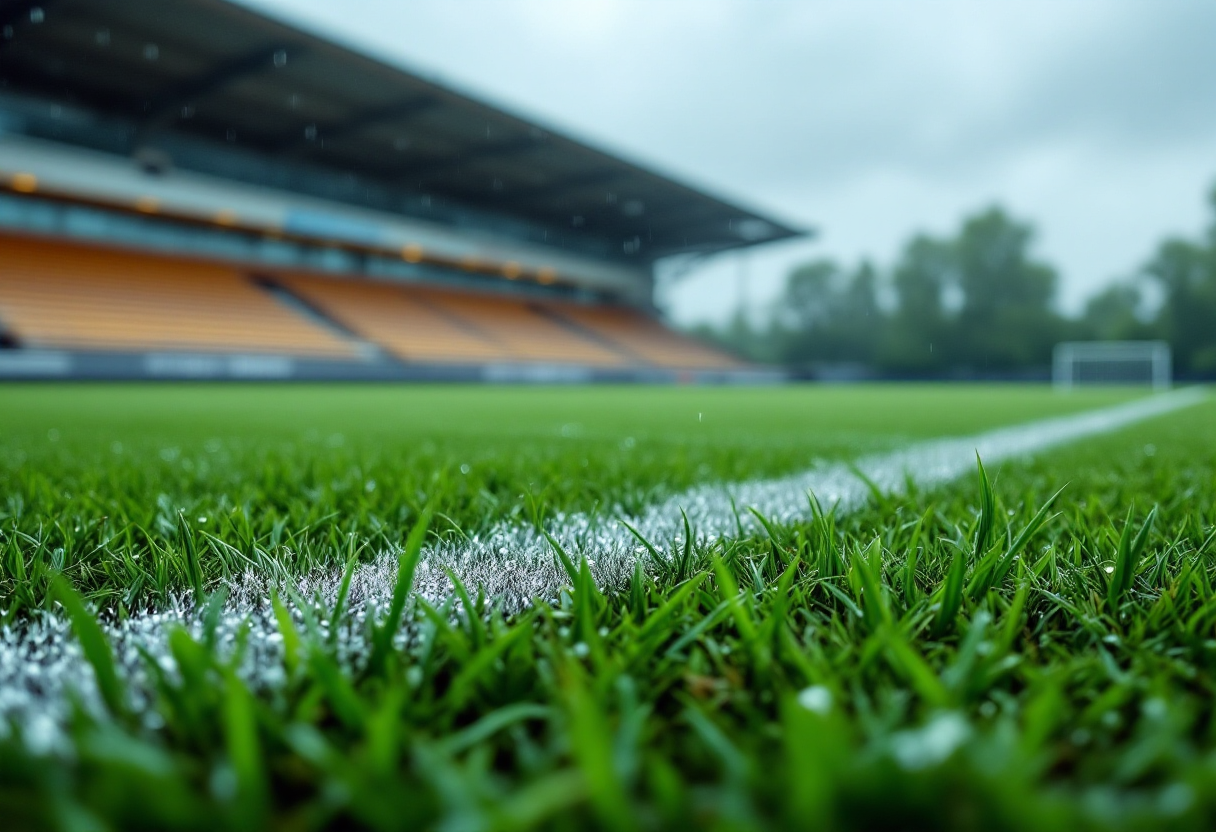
x=516, y=563
x=40, y=661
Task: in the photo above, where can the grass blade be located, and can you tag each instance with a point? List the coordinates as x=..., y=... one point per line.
x=407, y=564
x=950, y=594
x=1127, y=557
x=93, y=642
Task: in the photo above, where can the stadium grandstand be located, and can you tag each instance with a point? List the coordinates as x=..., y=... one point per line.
x=190, y=189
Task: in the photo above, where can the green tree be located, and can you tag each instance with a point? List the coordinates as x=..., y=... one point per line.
x=1114, y=315
x=1006, y=320
x=920, y=335
x=1186, y=273
x=829, y=314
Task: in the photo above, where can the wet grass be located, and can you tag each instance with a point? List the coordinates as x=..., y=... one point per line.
x=997, y=654
x=136, y=493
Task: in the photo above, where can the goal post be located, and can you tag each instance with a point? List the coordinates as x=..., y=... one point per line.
x=1076, y=363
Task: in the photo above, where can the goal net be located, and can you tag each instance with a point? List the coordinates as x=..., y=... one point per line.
x=1111, y=362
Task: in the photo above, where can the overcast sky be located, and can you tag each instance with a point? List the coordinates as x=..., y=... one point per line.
x=868, y=119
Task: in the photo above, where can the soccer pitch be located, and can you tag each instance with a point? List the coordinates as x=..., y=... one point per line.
x=514, y=608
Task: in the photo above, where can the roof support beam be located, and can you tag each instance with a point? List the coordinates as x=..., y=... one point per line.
x=299, y=142
x=570, y=183
x=169, y=102
x=501, y=150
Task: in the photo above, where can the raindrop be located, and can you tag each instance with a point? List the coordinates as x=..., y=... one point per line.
x=497, y=184
x=310, y=132
x=280, y=58
x=37, y=15
x=577, y=221
x=102, y=37
x=8, y=32
x=188, y=111
x=294, y=101
x=231, y=135
x=151, y=51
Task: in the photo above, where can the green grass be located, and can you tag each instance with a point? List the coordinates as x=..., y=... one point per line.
x=956, y=659
x=93, y=478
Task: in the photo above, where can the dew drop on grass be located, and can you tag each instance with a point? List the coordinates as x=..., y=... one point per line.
x=1175, y=799
x=816, y=699
x=40, y=734
x=1154, y=708
x=931, y=744
x=52, y=435
x=223, y=782
x=464, y=468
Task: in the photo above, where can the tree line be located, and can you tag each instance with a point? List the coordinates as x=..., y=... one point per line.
x=978, y=301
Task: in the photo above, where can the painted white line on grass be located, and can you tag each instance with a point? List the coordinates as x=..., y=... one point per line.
x=41, y=663
x=516, y=563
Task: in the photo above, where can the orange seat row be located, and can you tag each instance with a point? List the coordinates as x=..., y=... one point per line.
x=58, y=294
x=64, y=295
